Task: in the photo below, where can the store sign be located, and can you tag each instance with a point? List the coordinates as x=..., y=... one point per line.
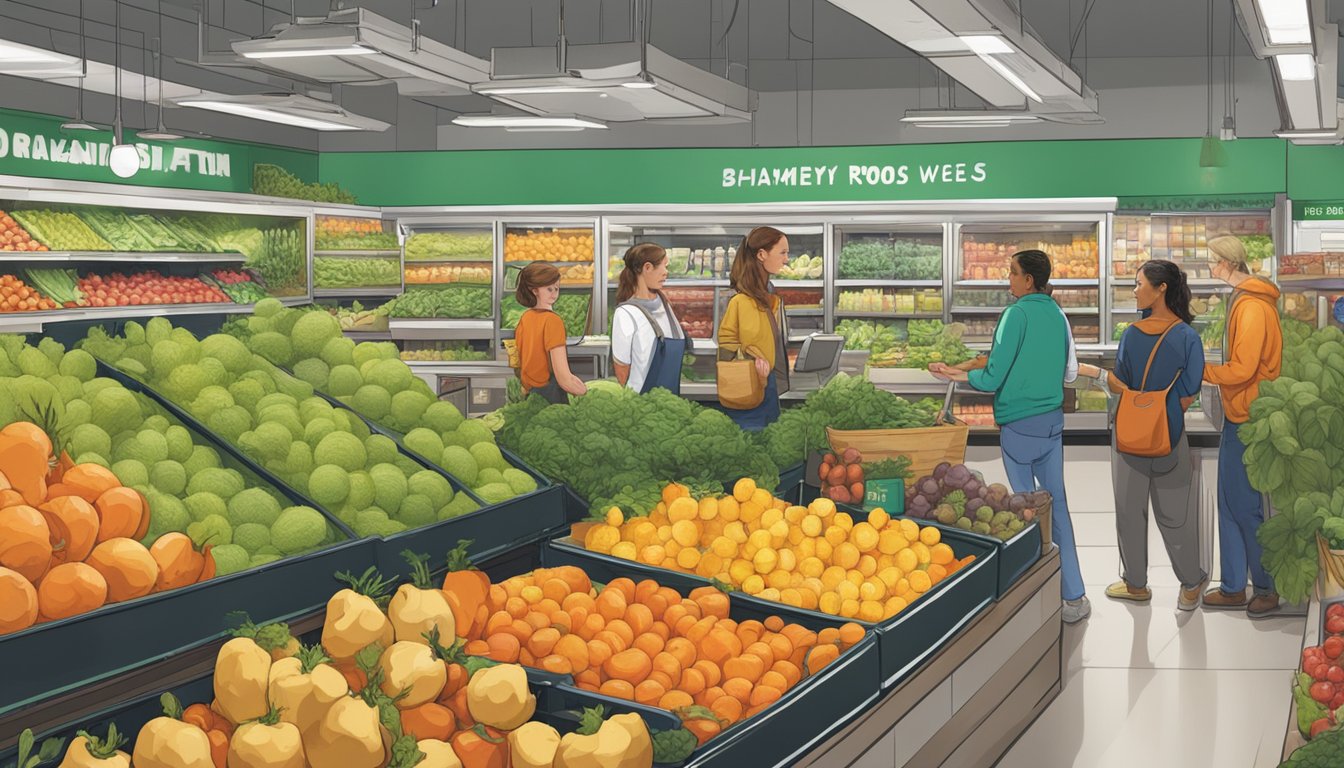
x=895, y=173
x=1318, y=210
x=34, y=145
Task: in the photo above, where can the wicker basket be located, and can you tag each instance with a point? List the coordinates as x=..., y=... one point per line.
x=1330, y=583
x=926, y=447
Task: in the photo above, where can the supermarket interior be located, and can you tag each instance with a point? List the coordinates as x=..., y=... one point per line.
x=791, y=383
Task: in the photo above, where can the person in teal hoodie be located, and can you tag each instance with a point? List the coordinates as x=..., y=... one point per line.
x=1025, y=370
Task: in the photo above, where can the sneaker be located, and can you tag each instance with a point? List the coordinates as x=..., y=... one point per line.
x=1220, y=600
x=1262, y=606
x=1077, y=610
x=1189, y=599
x=1121, y=590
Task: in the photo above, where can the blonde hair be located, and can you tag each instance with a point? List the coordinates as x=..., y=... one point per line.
x=1230, y=249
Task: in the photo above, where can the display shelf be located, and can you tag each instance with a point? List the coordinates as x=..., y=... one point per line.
x=1318, y=282
x=358, y=336
x=804, y=311
x=13, y=321
x=356, y=293
x=793, y=283
x=439, y=328
x=849, y=283
x=356, y=254
x=1067, y=282
x=122, y=257
x=890, y=315
x=524, y=262
x=978, y=310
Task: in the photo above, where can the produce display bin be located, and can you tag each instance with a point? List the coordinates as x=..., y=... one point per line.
x=559, y=707
x=906, y=640
x=1016, y=555
x=787, y=728
x=791, y=488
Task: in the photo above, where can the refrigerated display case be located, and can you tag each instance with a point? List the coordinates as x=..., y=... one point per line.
x=571, y=247
x=1311, y=276
x=355, y=258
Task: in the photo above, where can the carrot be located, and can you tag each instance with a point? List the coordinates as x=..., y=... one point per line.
x=199, y=715
x=24, y=452
x=631, y=665
x=219, y=747
x=25, y=542
x=70, y=589
x=130, y=570
x=120, y=512
x=481, y=747
x=18, y=602
x=63, y=465
x=74, y=528
x=89, y=481
x=468, y=587
x=429, y=721
x=458, y=704
x=179, y=564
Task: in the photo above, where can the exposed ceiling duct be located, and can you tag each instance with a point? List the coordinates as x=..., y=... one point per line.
x=987, y=47
x=1304, y=56
x=355, y=46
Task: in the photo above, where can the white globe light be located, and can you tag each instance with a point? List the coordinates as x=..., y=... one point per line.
x=124, y=160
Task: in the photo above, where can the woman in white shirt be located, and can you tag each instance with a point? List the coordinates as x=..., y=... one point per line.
x=647, y=342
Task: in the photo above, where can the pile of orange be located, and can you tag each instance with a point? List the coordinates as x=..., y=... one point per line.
x=812, y=557
x=574, y=245
x=647, y=643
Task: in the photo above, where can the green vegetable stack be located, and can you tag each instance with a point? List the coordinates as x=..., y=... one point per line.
x=450, y=246
x=274, y=181
x=571, y=307
x=618, y=448
x=461, y=302
x=1324, y=751
x=888, y=260
x=59, y=285
x=60, y=230
x=281, y=260
x=190, y=488
x=331, y=272
x=1295, y=453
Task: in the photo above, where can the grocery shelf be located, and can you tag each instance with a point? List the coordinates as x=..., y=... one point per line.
x=804, y=311
x=673, y=282
x=445, y=283
x=795, y=283
x=978, y=310
x=411, y=329
x=524, y=263
x=486, y=260
x=360, y=254
x=890, y=315
x=1084, y=311
x=358, y=336
x=1318, y=282
x=355, y=293
x=17, y=322
x=852, y=283
x=1064, y=282
x=121, y=256
x=455, y=368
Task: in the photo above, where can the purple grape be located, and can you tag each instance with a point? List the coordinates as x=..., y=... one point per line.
x=941, y=470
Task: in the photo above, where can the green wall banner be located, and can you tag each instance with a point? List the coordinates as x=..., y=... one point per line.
x=34, y=145
x=1318, y=210
x=902, y=172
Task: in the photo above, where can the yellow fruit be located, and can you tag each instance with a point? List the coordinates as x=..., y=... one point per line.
x=824, y=550
x=831, y=577
x=614, y=517
x=835, y=535
x=843, y=520
x=907, y=560
x=643, y=533
x=788, y=561
x=867, y=565
x=688, y=558
x=846, y=555
x=811, y=525
x=791, y=597
x=744, y=489
x=759, y=539
x=729, y=510
x=601, y=538
x=672, y=492
x=763, y=498
x=847, y=590
x=753, y=584
x=683, y=509
x=709, y=508
x=779, y=530
x=811, y=567
x=723, y=547
x=854, y=577
x=903, y=588
x=941, y=554
x=748, y=551
x=796, y=536
x=671, y=549
x=922, y=552
x=806, y=548
x=889, y=577
x=885, y=561
x=909, y=529
x=849, y=609
x=894, y=605
x=626, y=550
x=750, y=512
x=829, y=602
x=930, y=536
x=812, y=585
x=779, y=579
x=765, y=560
x=920, y=582
x=890, y=541
x=796, y=579
x=822, y=508
x=795, y=514
x=736, y=532
x=878, y=518
x=872, y=589
x=870, y=611
x=532, y=594
x=769, y=593
x=710, y=564
x=810, y=600
x=654, y=554
x=771, y=516
x=739, y=570
x=685, y=533
x=864, y=536
x=664, y=534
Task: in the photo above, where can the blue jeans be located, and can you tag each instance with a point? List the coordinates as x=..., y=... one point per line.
x=1240, y=513
x=1033, y=456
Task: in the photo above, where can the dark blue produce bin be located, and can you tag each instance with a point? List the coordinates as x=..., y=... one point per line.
x=906, y=640
x=790, y=726
x=1016, y=555
x=558, y=707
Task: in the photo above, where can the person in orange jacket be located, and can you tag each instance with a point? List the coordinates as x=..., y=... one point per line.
x=1252, y=353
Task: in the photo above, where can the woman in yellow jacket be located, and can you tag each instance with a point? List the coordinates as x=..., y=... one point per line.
x=1252, y=353
x=754, y=323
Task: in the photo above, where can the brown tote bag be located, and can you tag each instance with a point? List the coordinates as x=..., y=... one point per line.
x=740, y=387
x=1141, y=427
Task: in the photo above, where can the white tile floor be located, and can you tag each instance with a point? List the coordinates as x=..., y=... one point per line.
x=1147, y=685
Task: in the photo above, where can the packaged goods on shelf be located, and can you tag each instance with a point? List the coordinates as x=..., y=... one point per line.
x=985, y=257
x=1184, y=240
x=355, y=273
x=1075, y=298
x=334, y=233
x=980, y=328
x=357, y=318
x=572, y=245
x=890, y=260
x=450, y=246
x=1086, y=330
x=1314, y=264
x=694, y=308
x=981, y=297
x=454, y=302
x=440, y=274
x=577, y=274
x=60, y=230
x=13, y=237
x=804, y=267
x=1300, y=306
x=975, y=414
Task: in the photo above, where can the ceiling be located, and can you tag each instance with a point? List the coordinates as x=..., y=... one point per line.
x=781, y=48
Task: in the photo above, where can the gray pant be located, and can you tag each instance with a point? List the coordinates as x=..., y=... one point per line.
x=1167, y=482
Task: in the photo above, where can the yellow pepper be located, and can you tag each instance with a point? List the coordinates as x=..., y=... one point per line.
x=242, y=673
x=304, y=687
x=267, y=743
x=622, y=741
x=499, y=697
x=412, y=668
x=533, y=745
x=418, y=607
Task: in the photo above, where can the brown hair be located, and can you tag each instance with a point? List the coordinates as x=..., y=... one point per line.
x=635, y=258
x=748, y=277
x=536, y=275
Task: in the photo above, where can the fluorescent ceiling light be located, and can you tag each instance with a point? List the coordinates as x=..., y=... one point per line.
x=292, y=110
x=1286, y=22
x=639, y=84
x=986, y=45
x=932, y=118
x=1307, y=134
x=1011, y=77
x=525, y=121
x=17, y=58
x=504, y=90
x=280, y=53
x=1296, y=66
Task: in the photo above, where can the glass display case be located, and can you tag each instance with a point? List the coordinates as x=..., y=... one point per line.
x=355, y=257
x=569, y=247
x=888, y=287
x=448, y=271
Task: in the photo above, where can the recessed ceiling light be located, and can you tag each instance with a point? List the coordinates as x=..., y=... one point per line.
x=1296, y=66
x=269, y=115
x=525, y=121
x=987, y=44
x=294, y=53
x=1286, y=22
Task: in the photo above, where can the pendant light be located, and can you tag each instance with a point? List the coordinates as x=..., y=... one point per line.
x=1211, y=154
x=124, y=160
x=160, y=133
x=78, y=123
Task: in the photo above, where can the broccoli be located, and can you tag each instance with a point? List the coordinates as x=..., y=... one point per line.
x=416, y=511
x=252, y=536
x=338, y=351
x=254, y=505
x=314, y=408
x=203, y=505
x=389, y=486
x=313, y=371
x=369, y=521
x=116, y=410
x=202, y=457
x=244, y=392
x=89, y=438
x=392, y=375
x=372, y=401
x=92, y=458
x=214, y=529
x=1324, y=751
x=315, y=430
x=153, y=446
x=230, y=558
x=168, y=476
x=407, y=409
x=432, y=486
x=494, y=493
x=342, y=449
x=425, y=442
x=344, y=381
x=230, y=352
x=361, y=490
x=381, y=449
x=489, y=476
x=487, y=456
x=329, y=485
x=272, y=346
x=180, y=444
x=130, y=472
x=299, y=459
x=442, y=416
x=33, y=363
x=79, y=364
x=673, y=746
x=224, y=483
x=298, y=529
x=185, y=382
x=311, y=333
x=230, y=423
